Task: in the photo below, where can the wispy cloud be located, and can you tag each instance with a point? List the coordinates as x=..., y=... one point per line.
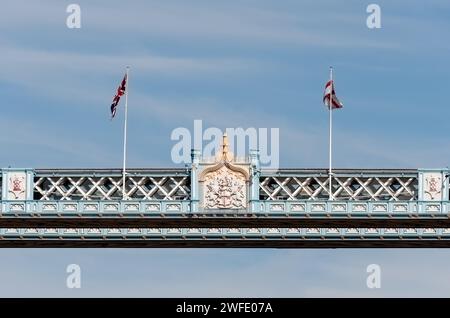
x=21, y=64
x=246, y=23
x=49, y=145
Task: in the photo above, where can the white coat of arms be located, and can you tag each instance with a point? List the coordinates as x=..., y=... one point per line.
x=225, y=189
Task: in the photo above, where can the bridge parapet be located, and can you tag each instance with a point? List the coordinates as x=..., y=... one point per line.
x=183, y=209
x=288, y=185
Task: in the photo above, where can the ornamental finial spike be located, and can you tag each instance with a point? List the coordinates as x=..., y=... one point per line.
x=225, y=145
x=226, y=154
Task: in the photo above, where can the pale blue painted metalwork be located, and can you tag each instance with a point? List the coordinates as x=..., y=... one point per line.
x=444, y=175
x=255, y=175
x=103, y=184
x=6, y=172
x=174, y=193
x=228, y=233
x=195, y=199
x=292, y=209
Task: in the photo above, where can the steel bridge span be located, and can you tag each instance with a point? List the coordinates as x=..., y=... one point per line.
x=224, y=203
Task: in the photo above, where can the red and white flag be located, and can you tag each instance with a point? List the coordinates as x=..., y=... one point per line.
x=329, y=91
x=120, y=91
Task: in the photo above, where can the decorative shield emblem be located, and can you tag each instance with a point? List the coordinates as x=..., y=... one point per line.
x=433, y=186
x=225, y=183
x=16, y=186
x=224, y=189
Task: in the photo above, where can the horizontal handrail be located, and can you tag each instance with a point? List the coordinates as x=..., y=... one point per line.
x=182, y=208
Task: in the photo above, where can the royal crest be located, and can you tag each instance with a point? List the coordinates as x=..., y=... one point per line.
x=225, y=189
x=224, y=183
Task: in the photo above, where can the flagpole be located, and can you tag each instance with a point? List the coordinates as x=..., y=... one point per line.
x=125, y=135
x=330, y=143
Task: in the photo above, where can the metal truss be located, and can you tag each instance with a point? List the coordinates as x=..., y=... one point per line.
x=224, y=233
x=347, y=185
x=174, y=184
x=286, y=208
x=225, y=237
x=104, y=185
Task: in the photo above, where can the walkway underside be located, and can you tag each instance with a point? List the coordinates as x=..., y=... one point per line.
x=199, y=243
x=225, y=237
x=411, y=221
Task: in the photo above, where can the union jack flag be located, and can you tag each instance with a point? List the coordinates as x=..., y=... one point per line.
x=120, y=91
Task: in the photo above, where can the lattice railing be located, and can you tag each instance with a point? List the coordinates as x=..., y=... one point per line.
x=314, y=185
x=107, y=185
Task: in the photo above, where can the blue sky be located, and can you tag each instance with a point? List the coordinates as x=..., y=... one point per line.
x=253, y=63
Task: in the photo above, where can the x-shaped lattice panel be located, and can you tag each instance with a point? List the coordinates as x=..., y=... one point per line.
x=373, y=188
x=111, y=188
